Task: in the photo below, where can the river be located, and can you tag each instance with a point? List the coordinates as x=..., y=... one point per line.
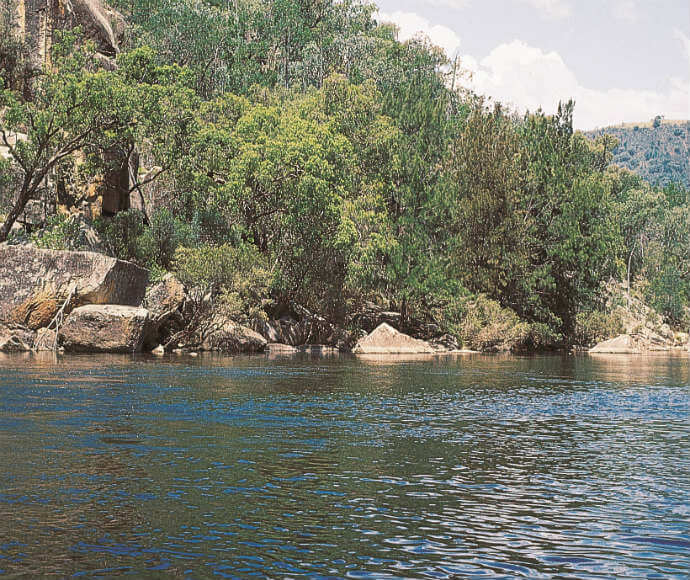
x=477, y=466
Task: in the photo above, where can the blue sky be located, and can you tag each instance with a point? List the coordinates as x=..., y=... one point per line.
x=621, y=60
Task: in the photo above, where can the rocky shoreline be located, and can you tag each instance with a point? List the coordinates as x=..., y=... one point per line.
x=86, y=302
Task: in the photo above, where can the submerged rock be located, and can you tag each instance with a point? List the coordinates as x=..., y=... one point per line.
x=387, y=340
x=34, y=283
x=107, y=328
x=278, y=348
x=318, y=349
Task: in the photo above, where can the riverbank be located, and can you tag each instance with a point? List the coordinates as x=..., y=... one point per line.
x=87, y=302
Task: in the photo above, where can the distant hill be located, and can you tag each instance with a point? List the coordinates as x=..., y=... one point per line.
x=658, y=151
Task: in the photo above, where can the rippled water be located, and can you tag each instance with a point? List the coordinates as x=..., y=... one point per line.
x=568, y=467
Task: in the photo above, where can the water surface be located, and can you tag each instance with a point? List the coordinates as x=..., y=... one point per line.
x=489, y=467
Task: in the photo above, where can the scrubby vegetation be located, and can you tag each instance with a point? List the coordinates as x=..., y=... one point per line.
x=658, y=151
x=301, y=157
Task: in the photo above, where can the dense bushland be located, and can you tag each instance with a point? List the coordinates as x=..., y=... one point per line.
x=306, y=158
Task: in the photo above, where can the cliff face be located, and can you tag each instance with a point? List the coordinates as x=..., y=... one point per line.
x=38, y=20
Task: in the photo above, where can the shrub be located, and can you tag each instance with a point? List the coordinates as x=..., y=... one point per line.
x=127, y=237
x=60, y=233
x=488, y=326
x=120, y=234
x=234, y=280
x=156, y=245
x=592, y=327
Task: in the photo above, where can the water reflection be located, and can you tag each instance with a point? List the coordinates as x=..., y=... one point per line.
x=440, y=467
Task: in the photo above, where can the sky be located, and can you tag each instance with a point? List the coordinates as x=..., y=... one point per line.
x=620, y=60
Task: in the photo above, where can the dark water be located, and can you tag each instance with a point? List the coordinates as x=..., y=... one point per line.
x=568, y=467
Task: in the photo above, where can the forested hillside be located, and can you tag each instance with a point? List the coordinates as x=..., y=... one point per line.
x=294, y=155
x=658, y=151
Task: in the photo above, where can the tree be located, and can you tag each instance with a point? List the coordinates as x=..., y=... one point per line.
x=75, y=106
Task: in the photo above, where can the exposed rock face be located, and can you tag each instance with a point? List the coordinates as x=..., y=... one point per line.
x=229, y=337
x=386, y=340
x=107, y=328
x=34, y=283
x=165, y=302
x=623, y=344
x=166, y=298
x=14, y=338
x=637, y=343
x=39, y=20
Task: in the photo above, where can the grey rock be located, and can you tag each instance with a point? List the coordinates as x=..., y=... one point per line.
x=166, y=298
x=278, y=348
x=224, y=335
x=623, y=344
x=387, y=340
x=107, y=328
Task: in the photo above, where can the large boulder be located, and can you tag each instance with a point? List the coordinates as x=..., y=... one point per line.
x=166, y=298
x=15, y=338
x=387, y=340
x=623, y=344
x=224, y=335
x=35, y=283
x=107, y=328
x=165, y=301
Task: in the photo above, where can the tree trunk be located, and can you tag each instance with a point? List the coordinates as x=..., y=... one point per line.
x=24, y=197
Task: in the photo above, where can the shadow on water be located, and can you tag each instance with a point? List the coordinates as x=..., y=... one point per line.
x=342, y=467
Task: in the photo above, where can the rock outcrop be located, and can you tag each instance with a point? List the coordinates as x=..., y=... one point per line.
x=280, y=349
x=387, y=340
x=640, y=342
x=34, y=283
x=46, y=340
x=39, y=21
x=623, y=344
x=107, y=328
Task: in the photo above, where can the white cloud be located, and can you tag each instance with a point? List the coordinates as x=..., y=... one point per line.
x=411, y=25
x=626, y=10
x=529, y=78
x=551, y=9
x=684, y=40
x=452, y=4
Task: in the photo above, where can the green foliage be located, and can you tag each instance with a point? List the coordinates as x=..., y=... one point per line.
x=121, y=234
x=77, y=106
x=158, y=243
x=534, y=223
x=657, y=152
x=60, y=233
x=127, y=237
x=595, y=326
x=236, y=278
x=487, y=326
x=312, y=160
